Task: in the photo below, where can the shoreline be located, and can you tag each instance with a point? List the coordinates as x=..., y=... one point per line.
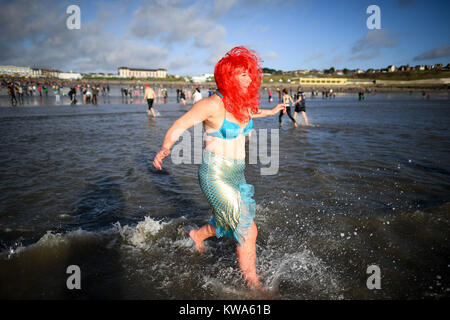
x=385, y=87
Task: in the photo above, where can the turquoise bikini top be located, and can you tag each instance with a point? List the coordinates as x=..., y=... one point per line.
x=230, y=130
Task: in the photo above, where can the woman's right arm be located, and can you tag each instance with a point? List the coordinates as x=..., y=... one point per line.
x=199, y=112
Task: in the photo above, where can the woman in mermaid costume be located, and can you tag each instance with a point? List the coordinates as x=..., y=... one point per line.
x=227, y=116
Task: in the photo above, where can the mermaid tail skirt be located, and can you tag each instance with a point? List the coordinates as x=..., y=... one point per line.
x=223, y=182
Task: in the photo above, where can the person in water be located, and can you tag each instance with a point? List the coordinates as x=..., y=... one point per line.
x=287, y=101
x=300, y=106
x=150, y=95
x=227, y=116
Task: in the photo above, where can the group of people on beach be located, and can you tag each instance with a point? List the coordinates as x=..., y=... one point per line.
x=89, y=93
x=150, y=96
x=136, y=91
x=184, y=95
x=18, y=89
x=297, y=101
x=299, y=105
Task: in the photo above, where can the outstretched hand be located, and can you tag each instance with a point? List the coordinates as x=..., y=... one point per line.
x=279, y=107
x=157, y=161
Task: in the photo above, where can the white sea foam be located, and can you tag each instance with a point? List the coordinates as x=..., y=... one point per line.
x=301, y=267
x=139, y=235
x=52, y=240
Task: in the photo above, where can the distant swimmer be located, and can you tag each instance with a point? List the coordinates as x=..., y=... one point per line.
x=95, y=91
x=188, y=92
x=197, y=95
x=150, y=96
x=300, y=106
x=287, y=101
x=73, y=96
x=57, y=93
x=164, y=92
x=12, y=94
x=88, y=94
x=182, y=97
x=361, y=96
x=20, y=93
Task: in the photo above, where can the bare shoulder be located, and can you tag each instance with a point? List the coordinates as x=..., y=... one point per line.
x=211, y=105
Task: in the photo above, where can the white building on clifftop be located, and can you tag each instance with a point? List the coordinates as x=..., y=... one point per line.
x=13, y=70
x=203, y=78
x=125, y=72
x=70, y=76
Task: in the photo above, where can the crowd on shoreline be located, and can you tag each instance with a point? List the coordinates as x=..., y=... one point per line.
x=19, y=88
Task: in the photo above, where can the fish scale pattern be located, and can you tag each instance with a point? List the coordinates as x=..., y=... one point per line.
x=222, y=181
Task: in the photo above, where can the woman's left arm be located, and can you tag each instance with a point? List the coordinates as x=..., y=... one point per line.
x=292, y=101
x=270, y=112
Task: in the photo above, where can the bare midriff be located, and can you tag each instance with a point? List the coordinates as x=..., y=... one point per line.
x=229, y=148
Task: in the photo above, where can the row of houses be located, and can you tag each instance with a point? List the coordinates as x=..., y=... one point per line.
x=38, y=73
x=391, y=68
x=123, y=72
x=437, y=67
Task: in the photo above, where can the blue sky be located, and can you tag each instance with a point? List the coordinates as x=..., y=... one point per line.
x=188, y=37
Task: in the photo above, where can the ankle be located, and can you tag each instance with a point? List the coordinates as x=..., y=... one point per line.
x=193, y=233
x=252, y=281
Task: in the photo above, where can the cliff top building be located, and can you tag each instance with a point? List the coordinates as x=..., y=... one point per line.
x=126, y=72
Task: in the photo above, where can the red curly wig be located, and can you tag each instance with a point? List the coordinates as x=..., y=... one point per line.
x=241, y=104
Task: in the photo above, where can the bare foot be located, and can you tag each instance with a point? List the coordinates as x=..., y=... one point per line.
x=253, y=282
x=198, y=244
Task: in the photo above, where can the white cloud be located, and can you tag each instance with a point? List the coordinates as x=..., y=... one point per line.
x=210, y=37
x=375, y=39
x=337, y=59
x=365, y=55
x=217, y=52
x=34, y=34
x=180, y=63
x=370, y=46
x=315, y=56
x=173, y=22
x=177, y=23
x=270, y=55
x=439, y=52
x=221, y=7
x=39, y=38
